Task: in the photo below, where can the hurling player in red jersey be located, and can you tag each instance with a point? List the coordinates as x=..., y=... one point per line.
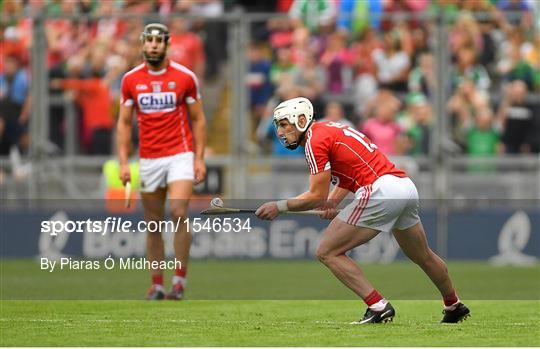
x=385, y=200
x=166, y=98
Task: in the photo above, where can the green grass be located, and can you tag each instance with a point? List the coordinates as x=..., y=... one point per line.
x=260, y=323
x=263, y=303
x=267, y=280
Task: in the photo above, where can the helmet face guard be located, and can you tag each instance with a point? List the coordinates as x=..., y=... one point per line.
x=155, y=29
x=283, y=139
x=161, y=33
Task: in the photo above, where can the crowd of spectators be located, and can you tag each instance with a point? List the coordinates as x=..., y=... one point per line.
x=89, y=48
x=377, y=59
x=371, y=63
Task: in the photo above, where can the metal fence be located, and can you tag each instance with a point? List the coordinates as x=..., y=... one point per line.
x=443, y=176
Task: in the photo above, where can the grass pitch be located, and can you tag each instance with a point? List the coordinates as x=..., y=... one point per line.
x=267, y=280
x=261, y=323
x=263, y=303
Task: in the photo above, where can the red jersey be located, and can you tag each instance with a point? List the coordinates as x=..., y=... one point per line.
x=354, y=161
x=160, y=99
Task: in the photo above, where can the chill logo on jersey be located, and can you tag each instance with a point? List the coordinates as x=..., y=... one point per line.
x=156, y=102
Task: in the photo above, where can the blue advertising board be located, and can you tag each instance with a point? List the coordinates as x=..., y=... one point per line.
x=501, y=236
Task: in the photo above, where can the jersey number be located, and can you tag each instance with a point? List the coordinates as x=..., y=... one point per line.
x=359, y=136
x=351, y=132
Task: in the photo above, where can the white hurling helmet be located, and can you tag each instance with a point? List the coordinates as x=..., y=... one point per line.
x=291, y=110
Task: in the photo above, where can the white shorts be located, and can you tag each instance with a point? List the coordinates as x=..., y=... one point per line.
x=389, y=203
x=158, y=172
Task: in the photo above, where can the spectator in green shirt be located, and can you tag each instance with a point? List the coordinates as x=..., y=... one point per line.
x=483, y=140
x=467, y=69
x=513, y=65
x=416, y=123
x=283, y=66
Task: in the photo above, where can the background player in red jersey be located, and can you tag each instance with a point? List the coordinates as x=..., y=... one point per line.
x=385, y=200
x=166, y=97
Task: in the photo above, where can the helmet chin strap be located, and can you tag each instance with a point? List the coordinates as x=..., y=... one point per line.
x=300, y=139
x=292, y=146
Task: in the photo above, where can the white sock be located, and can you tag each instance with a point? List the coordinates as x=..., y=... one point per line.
x=178, y=279
x=379, y=306
x=451, y=307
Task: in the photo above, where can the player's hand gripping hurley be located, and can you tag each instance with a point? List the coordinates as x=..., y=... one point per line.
x=217, y=208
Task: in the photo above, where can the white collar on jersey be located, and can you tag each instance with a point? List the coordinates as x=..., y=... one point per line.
x=159, y=72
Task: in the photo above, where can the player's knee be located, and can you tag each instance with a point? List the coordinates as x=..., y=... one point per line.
x=153, y=217
x=179, y=211
x=323, y=254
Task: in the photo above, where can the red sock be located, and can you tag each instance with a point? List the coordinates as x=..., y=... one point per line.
x=373, y=298
x=450, y=298
x=157, y=279
x=180, y=272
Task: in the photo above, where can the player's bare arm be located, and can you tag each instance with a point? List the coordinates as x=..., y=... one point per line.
x=123, y=139
x=198, y=121
x=337, y=195
x=334, y=199
x=316, y=196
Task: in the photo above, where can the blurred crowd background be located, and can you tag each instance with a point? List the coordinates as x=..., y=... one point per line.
x=369, y=63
